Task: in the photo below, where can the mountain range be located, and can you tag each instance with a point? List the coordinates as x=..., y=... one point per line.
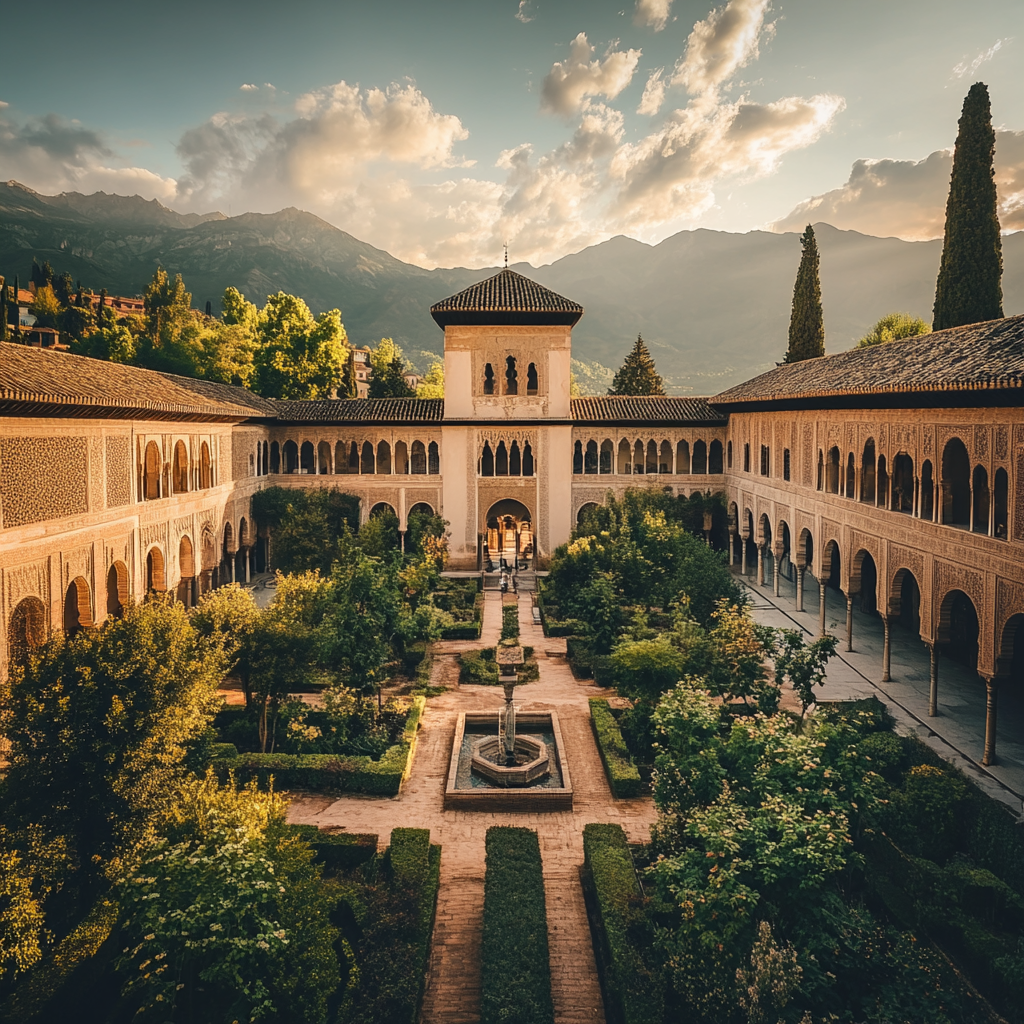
x=713, y=306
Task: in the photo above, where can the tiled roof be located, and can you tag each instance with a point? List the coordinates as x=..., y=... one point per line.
x=507, y=297
x=980, y=357
x=645, y=409
x=362, y=410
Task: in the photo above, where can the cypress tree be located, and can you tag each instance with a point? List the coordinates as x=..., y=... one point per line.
x=637, y=375
x=969, y=289
x=806, y=324
x=3, y=309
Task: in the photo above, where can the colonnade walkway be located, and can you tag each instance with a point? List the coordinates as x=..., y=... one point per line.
x=957, y=733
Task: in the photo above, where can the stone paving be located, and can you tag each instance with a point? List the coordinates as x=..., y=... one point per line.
x=957, y=733
x=453, y=985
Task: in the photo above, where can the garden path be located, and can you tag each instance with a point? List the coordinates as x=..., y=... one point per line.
x=453, y=985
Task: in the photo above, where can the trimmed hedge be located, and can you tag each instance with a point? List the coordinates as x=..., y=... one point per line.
x=634, y=991
x=409, y=854
x=516, y=966
x=338, y=851
x=510, y=622
x=478, y=668
x=623, y=777
x=332, y=773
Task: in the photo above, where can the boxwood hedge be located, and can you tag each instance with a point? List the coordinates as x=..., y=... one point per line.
x=623, y=777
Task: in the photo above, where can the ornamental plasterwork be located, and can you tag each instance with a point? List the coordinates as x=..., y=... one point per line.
x=1009, y=602
x=981, y=443
x=1002, y=443
x=964, y=432
x=77, y=562
x=958, y=577
x=30, y=580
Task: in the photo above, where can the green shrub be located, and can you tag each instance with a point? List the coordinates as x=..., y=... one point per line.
x=409, y=854
x=223, y=750
x=887, y=753
x=570, y=627
x=463, y=631
x=635, y=990
x=580, y=656
x=866, y=715
x=510, y=622
x=414, y=654
x=623, y=777
x=478, y=668
x=514, y=956
x=338, y=851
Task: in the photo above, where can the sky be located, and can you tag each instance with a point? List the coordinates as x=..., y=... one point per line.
x=441, y=130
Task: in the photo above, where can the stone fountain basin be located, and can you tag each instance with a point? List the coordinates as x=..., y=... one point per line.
x=487, y=758
x=534, y=797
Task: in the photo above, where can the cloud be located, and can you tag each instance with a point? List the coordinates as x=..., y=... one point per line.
x=970, y=67
x=654, y=94
x=725, y=41
x=523, y=14
x=569, y=83
x=652, y=13
x=907, y=198
x=248, y=87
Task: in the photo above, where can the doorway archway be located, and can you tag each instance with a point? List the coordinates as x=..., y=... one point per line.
x=508, y=537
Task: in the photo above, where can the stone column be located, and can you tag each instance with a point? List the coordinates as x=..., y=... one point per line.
x=886, y=650
x=990, y=721
x=775, y=565
x=933, y=681
x=247, y=564
x=401, y=541
x=743, y=555
x=760, y=566
x=732, y=549
x=849, y=622
x=821, y=607
x=232, y=560
x=800, y=588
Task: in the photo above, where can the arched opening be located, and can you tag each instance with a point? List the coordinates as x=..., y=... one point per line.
x=401, y=458
x=577, y=458
x=958, y=629
x=307, y=458
x=607, y=455
x=624, y=460
x=367, y=459
x=117, y=589
x=501, y=460
x=1000, y=501
x=179, y=469
x=77, y=606
x=260, y=554
x=383, y=457
x=638, y=457
x=187, y=567
x=979, y=494
x=786, y=555
x=905, y=602
x=488, y=379
x=531, y=379
x=208, y=565
x=683, y=457
x=864, y=580
x=821, y=470
x=749, y=539
x=418, y=461
x=956, y=484
x=728, y=454
x=882, y=497
x=151, y=472
x=651, y=465
x=382, y=508
x=227, y=555
x=586, y=508
x=851, y=477
x=1010, y=663
x=699, y=463
x=275, y=457
x=867, y=472
x=511, y=377
x=527, y=459
x=590, y=459
x=156, y=581
x=27, y=629
x=433, y=459
x=831, y=570
x=343, y=452
x=927, y=491
x=665, y=458
x=832, y=471
x=508, y=541
x=421, y=508
x=487, y=460
x=266, y=458
x=323, y=457
x=515, y=460
x=902, y=483
x=291, y=457
x=805, y=549
x=205, y=467
x=715, y=457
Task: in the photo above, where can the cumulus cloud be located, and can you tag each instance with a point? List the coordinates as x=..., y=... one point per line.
x=572, y=81
x=725, y=41
x=248, y=87
x=652, y=13
x=523, y=14
x=966, y=67
x=907, y=198
x=654, y=94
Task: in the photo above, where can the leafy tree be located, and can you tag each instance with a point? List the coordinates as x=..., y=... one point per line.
x=378, y=536
x=77, y=321
x=63, y=288
x=226, y=617
x=806, y=324
x=237, y=311
x=99, y=726
x=113, y=342
x=637, y=375
x=4, y=309
x=432, y=385
x=225, y=353
x=299, y=357
x=894, y=327
x=41, y=276
x=388, y=369
x=46, y=307
x=969, y=288
x=349, y=387
x=171, y=329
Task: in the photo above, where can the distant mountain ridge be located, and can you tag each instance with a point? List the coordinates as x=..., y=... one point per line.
x=712, y=306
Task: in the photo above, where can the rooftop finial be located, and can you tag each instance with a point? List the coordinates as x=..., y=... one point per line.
x=506, y=254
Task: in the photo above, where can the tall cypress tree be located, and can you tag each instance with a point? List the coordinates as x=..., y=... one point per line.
x=637, y=375
x=969, y=288
x=806, y=324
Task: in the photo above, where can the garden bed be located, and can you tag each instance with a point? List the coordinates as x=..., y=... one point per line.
x=478, y=668
x=464, y=601
x=623, y=776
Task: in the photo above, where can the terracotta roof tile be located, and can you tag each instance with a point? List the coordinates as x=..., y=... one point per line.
x=362, y=410
x=980, y=357
x=507, y=297
x=645, y=409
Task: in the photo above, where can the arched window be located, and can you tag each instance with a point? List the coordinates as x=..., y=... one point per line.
x=179, y=469
x=625, y=459
x=531, y=379
x=746, y=457
x=577, y=457
x=956, y=484
x=821, y=470
x=638, y=457
x=979, y=491
x=275, y=458
x=151, y=472
x=607, y=456
x=501, y=460
x=291, y=457
x=527, y=460
x=117, y=589
x=487, y=460
x=1000, y=501
x=851, y=477
x=323, y=457
x=766, y=460
x=902, y=495
x=205, y=467
x=155, y=578
x=341, y=457
x=383, y=457
x=350, y=463
x=367, y=460
x=401, y=458
x=515, y=460
x=27, y=629
x=832, y=471
x=419, y=457
x=699, y=463
x=651, y=465
x=266, y=458
x=867, y=472
x=728, y=454
x=77, y=606
x=433, y=459
x=715, y=457
x=307, y=456
x=882, y=473
x=590, y=458
x=927, y=491
x=785, y=464
x=683, y=457
x=511, y=376
x=665, y=458
x=488, y=379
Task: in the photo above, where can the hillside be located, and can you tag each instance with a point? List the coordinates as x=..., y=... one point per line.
x=713, y=306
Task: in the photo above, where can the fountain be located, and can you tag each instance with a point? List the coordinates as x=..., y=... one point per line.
x=512, y=760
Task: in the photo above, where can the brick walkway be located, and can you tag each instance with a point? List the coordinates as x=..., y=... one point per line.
x=453, y=986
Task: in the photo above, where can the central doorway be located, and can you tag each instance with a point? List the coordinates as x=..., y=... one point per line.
x=508, y=540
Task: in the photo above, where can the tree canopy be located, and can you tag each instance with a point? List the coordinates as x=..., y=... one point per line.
x=806, y=324
x=388, y=369
x=893, y=327
x=637, y=375
x=432, y=385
